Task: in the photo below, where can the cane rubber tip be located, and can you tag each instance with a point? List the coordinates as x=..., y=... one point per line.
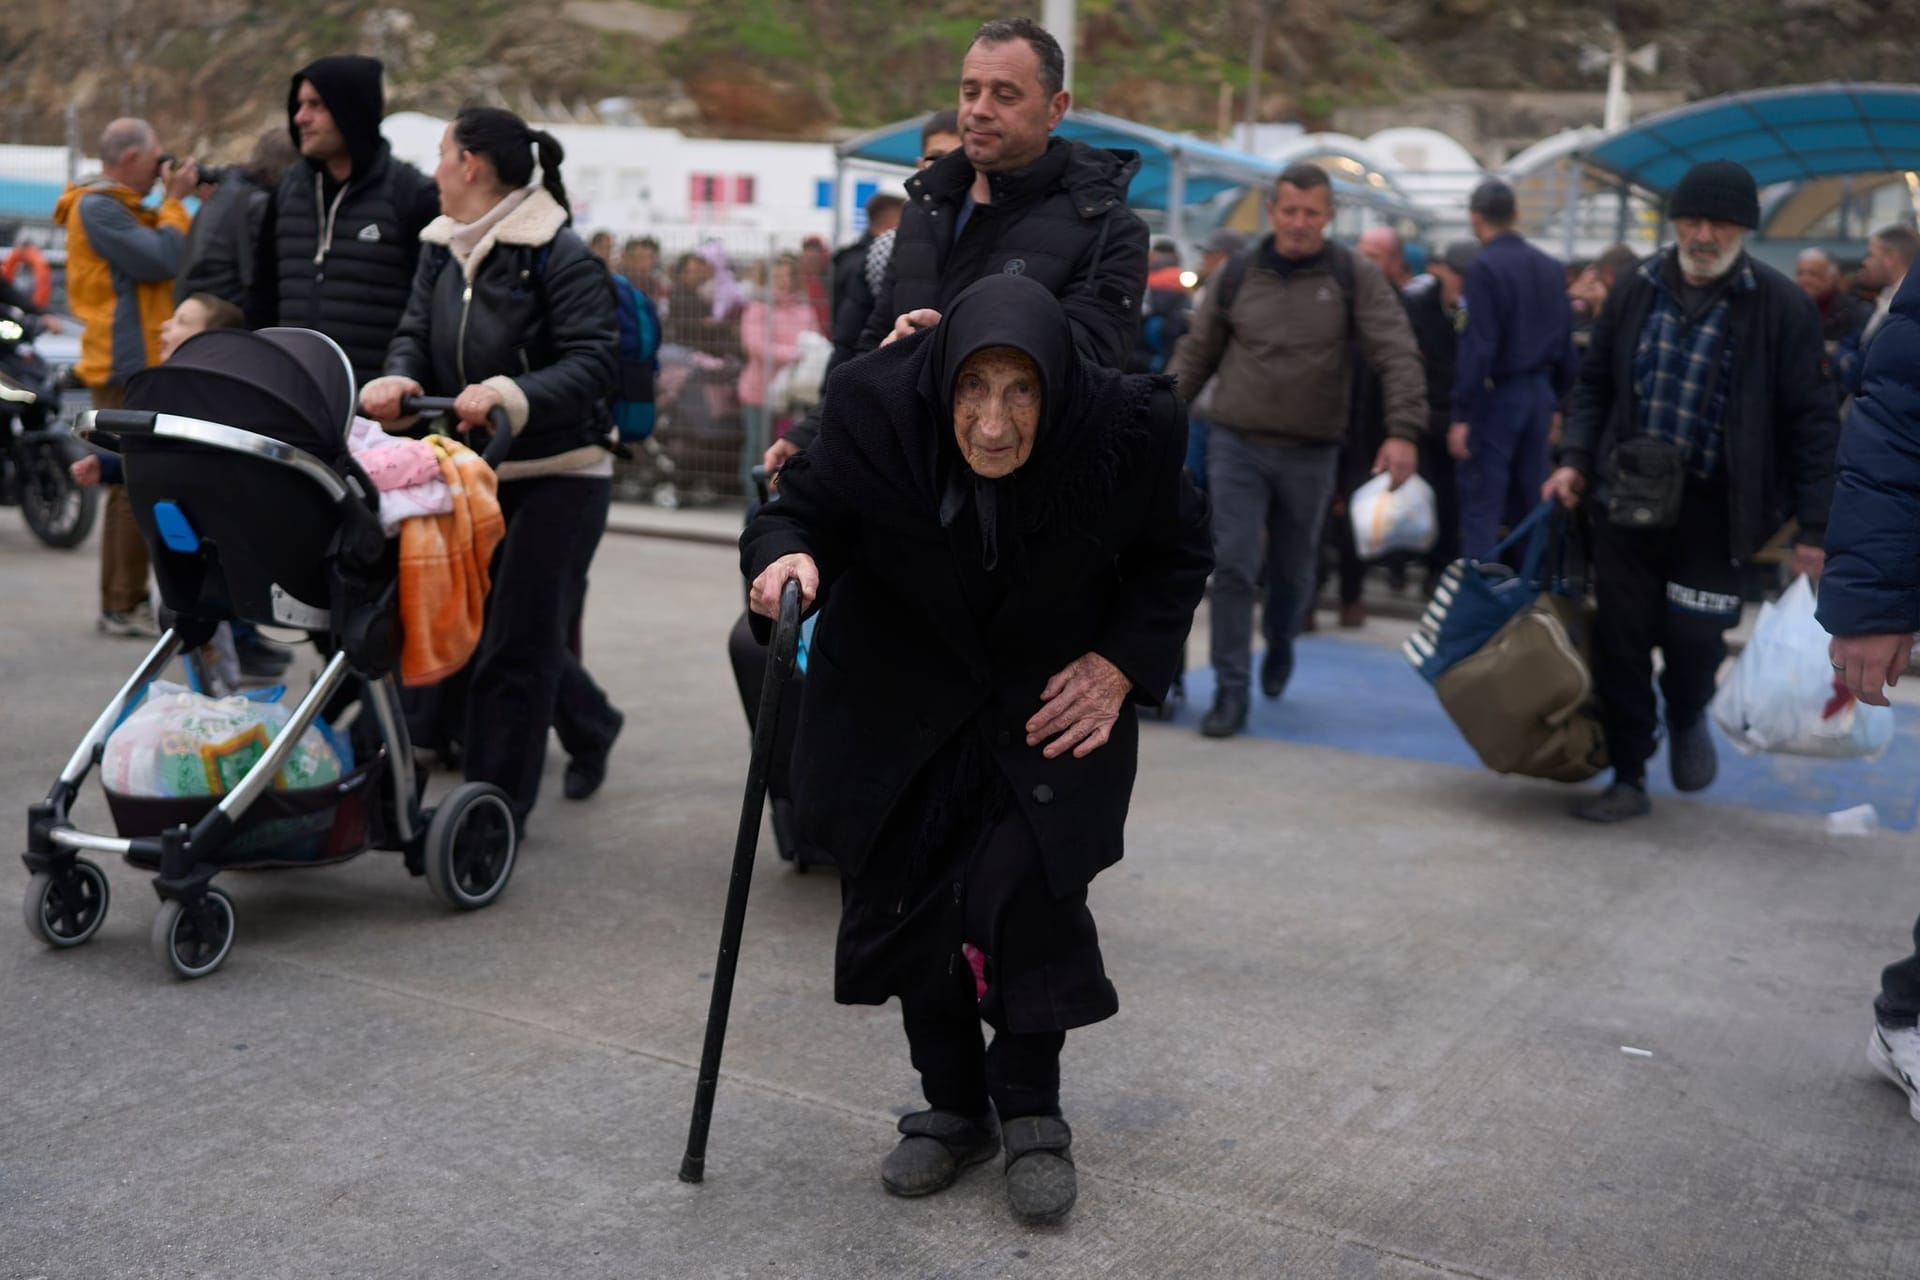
x=692, y=1170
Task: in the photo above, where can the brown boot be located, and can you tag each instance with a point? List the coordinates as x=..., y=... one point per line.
x=1353, y=616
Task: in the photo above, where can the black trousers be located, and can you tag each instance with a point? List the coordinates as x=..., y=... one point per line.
x=1676, y=590
x=1437, y=468
x=960, y=1072
x=554, y=524
x=583, y=717
x=1898, y=1004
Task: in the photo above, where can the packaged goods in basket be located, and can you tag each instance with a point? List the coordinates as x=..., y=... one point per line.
x=178, y=743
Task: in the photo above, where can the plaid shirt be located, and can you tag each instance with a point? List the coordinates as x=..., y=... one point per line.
x=1681, y=370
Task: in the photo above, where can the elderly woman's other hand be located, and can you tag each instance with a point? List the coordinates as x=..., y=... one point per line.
x=1081, y=704
x=765, y=596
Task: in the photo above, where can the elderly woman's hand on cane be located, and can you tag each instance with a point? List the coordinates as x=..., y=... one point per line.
x=764, y=598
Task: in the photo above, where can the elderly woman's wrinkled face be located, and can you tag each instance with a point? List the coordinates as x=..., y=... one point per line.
x=996, y=411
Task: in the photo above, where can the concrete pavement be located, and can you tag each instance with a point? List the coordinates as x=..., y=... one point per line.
x=1372, y=1024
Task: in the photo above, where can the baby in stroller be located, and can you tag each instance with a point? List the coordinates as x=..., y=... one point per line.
x=236, y=462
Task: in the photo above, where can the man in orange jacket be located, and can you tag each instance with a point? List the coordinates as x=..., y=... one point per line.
x=121, y=260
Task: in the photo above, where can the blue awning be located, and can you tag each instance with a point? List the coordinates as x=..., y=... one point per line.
x=28, y=197
x=1792, y=134
x=1204, y=170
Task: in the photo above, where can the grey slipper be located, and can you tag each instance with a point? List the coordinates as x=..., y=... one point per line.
x=938, y=1145
x=1041, y=1184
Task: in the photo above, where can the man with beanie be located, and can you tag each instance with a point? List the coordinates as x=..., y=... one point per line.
x=1515, y=365
x=121, y=260
x=1703, y=423
x=339, y=240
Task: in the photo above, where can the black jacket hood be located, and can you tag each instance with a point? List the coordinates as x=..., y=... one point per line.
x=350, y=86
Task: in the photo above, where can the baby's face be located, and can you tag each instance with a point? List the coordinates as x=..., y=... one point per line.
x=189, y=318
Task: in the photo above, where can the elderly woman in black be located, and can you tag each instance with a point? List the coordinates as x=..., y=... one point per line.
x=510, y=311
x=1006, y=551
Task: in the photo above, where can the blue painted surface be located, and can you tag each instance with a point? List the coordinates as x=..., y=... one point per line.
x=1362, y=697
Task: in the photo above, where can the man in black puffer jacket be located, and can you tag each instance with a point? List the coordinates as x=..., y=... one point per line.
x=1015, y=201
x=341, y=236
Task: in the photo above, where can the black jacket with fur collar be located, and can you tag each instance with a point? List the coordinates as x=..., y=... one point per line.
x=531, y=314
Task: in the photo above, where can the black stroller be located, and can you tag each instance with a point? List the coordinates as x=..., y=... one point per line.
x=252, y=508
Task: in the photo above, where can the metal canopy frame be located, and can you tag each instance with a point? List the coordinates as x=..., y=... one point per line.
x=1177, y=172
x=1791, y=134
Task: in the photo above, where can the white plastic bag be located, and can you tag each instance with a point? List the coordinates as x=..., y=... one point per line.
x=795, y=387
x=1388, y=520
x=1782, y=695
x=181, y=743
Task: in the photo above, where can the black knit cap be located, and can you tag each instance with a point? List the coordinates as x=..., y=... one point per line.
x=1717, y=189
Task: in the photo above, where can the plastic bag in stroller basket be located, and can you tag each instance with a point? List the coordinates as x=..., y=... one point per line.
x=179, y=743
x=175, y=755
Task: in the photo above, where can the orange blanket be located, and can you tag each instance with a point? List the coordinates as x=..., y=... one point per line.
x=443, y=568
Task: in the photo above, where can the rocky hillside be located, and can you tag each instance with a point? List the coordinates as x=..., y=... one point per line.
x=212, y=72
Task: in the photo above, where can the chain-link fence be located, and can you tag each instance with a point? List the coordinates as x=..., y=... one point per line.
x=745, y=328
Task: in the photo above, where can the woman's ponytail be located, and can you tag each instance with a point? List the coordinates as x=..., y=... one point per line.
x=550, y=153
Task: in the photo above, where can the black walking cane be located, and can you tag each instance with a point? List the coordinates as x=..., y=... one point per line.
x=780, y=658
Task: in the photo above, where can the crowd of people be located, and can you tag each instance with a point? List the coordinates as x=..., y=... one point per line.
x=1028, y=446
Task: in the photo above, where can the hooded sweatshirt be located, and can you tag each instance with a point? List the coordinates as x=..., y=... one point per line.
x=121, y=259
x=339, y=256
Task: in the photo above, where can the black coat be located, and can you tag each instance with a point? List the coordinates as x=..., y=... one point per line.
x=1063, y=222
x=550, y=328
x=1780, y=426
x=222, y=249
x=852, y=297
x=1439, y=339
x=339, y=258
x=899, y=664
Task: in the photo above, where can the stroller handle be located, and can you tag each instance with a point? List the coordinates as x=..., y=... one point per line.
x=497, y=447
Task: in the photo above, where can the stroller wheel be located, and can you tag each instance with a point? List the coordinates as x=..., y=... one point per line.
x=471, y=845
x=66, y=915
x=182, y=944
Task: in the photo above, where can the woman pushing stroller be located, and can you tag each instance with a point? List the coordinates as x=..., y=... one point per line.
x=511, y=311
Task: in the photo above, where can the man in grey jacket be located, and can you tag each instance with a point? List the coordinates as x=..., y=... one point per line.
x=1278, y=334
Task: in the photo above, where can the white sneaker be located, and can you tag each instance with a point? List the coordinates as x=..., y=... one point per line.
x=1895, y=1054
x=138, y=622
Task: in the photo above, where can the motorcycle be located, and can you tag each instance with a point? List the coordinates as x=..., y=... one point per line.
x=37, y=449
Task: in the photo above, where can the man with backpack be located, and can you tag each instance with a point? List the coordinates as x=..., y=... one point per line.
x=1278, y=334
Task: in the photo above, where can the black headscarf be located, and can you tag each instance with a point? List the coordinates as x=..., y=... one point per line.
x=999, y=311
x=887, y=422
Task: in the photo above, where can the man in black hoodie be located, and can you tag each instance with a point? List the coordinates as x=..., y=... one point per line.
x=341, y=236
x=1013, y=200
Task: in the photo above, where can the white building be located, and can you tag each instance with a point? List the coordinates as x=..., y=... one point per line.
x=633, y=180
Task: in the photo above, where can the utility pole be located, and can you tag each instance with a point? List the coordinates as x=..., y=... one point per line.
x=1060, y=18
x=73, y=142
x=1256, y=58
